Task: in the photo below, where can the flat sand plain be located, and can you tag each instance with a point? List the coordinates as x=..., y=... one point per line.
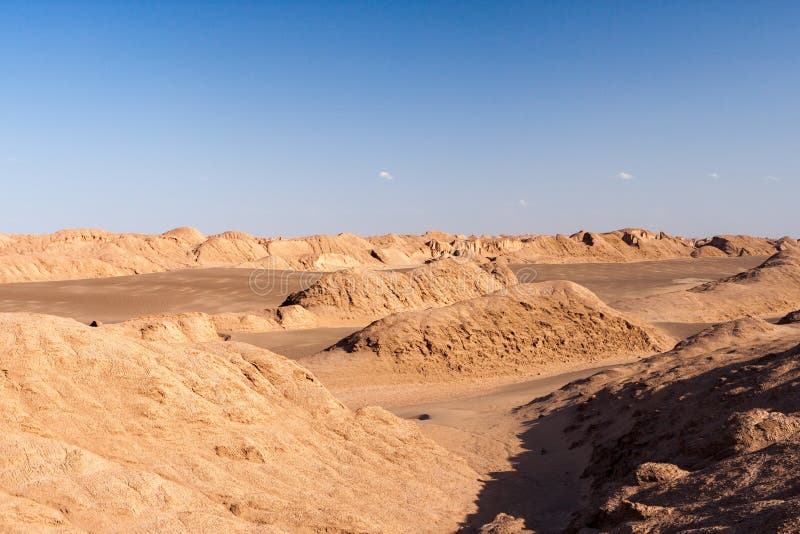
x=615, y=281
x=118, y=298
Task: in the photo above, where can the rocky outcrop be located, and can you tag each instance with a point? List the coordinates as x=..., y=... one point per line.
x=790, y=318
x=187, y=234
x=194, y=327
x=286, y=317
x=505, y=524
x=725, y=334
x=736, y=245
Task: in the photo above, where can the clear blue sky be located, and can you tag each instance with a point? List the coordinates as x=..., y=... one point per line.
x=278, y=118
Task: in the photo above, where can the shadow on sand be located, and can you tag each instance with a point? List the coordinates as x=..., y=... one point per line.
x=664, y=417
x=544, y=487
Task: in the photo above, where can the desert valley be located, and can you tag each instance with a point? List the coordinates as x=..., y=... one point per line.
x=314, y=267
x=629, y=381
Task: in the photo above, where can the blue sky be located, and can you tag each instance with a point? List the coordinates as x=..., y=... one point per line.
x=279, y=118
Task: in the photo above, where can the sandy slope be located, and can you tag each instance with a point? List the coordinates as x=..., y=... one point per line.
x=86, y=253
x=368, y=294
x=201, y=327
x=768, y=290
x=703, y=437
x=106, y=433
x=521, y=330
x=296, y=343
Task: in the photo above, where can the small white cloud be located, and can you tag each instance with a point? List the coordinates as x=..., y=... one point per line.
x=385, y=175
x=713, y=175
x=625, y=176
x=523, y=203
x=771, y=179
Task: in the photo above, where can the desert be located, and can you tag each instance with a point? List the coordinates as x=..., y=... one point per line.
x=420, y=267
x=466, y=392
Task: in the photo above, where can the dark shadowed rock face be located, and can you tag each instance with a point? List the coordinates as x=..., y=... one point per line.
x=790, y=318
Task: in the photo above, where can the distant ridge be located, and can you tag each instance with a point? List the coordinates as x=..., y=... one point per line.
x=88, y=253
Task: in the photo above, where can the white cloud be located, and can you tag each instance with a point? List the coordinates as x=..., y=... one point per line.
x=625, y=176
x=713, y=175
x=523, y=203
x=771, y=179
x=385, y=175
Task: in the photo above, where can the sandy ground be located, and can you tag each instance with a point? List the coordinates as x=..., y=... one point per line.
x=297, y=343
x=123, y=297
x=225, y=290
x=616, y=281
x=476, y=420
x=481, y=425
x=485, y=430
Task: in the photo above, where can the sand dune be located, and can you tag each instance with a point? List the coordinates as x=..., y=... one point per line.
x=520, y=330
x=368, y=294
x=86, y=253
x=727, y=334
x=771, y=289
x=193, y=327
x=198, y=327
x=103, y=432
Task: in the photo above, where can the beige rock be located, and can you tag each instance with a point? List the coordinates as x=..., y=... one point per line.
x=655, y=472
x=505, y=524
